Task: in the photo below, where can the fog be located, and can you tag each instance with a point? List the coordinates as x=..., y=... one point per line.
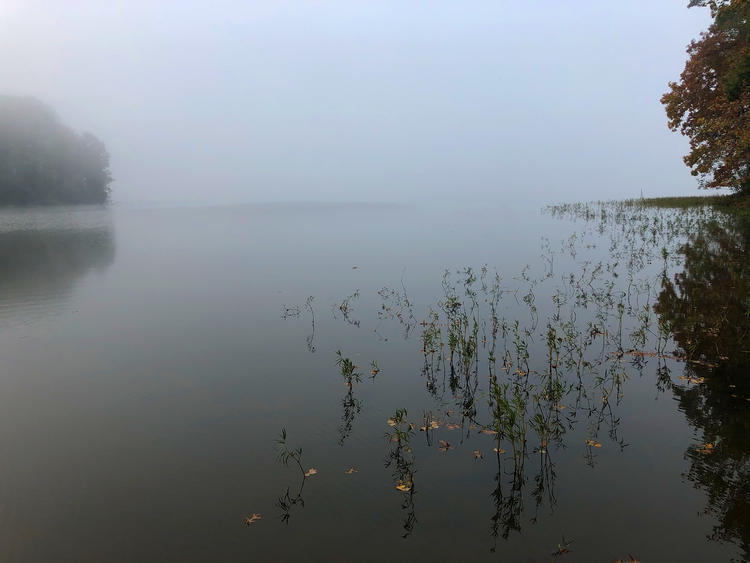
x=362, y=101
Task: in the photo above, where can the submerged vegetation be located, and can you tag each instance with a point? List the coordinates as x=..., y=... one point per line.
x=518, y=369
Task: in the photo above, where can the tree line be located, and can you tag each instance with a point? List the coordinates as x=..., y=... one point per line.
x=42, y=161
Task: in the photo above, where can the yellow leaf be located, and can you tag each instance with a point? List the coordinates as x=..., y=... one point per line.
x=706, y=448
x=498, y=450
x=391, y=422
x=310, y=472
x=478, y=454
x=593, y=443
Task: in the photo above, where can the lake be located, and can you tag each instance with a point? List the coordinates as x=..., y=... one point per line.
x=465, y=383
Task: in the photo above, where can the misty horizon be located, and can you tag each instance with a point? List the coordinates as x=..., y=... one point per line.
x=292, y=101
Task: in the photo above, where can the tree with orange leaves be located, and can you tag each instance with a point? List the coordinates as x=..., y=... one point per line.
x=711, y=102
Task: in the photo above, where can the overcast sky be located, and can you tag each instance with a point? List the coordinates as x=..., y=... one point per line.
x=219, y=101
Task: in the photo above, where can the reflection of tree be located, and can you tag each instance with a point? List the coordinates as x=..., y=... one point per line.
x=708, y=303
x=42, y=265
x=707, y=307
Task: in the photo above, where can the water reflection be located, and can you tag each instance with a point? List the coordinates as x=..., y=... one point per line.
x=541, y=363
x=42, y=258
x=707, y=305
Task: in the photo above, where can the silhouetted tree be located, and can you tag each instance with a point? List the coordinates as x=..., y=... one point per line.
x=43, y=161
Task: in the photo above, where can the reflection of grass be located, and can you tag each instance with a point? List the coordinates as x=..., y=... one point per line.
x=401, y=458
x=287, y=455
x=551, y=353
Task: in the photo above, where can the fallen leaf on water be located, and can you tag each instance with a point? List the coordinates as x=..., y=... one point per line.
x=412, y=426
x=423, y=429
x=391, y=422
x=445, y=446
x=452, y=426
x=559, y=407
x=434, y=425
x=706, y=448
x=593, y=443
x=488, y=431
x=695, y=380
x=350, y=471
x=251, y=519
x=478, y=454
x=404, y=486
x=310, y=472
x=498, y=450
x=630, y=559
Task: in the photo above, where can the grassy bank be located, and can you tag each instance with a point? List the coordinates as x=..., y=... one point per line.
x=732, y=202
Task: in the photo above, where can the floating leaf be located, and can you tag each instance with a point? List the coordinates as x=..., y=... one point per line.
x=310, y=472
x=694, y=380
x=350, y=471
x=445, y=446
x=404, y=486
x=478, y=454
x=706, y=448
x=434, y=424
x=593, y=443
x=252, y=519
x=498, y=450
x=452, y=426
x=391, y=422
x=488, y=431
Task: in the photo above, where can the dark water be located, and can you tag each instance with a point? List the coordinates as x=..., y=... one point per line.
x=152, y=357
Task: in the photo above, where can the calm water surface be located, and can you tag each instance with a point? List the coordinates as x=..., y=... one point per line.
x=152, y=357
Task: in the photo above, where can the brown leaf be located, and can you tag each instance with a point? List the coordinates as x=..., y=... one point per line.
x=593, y=443
x=478, y=454
x=350, y=471
x=310, y=472
x=445, y=446
x=252, y=519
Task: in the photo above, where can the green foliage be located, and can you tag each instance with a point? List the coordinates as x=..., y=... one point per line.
x=44, y=162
